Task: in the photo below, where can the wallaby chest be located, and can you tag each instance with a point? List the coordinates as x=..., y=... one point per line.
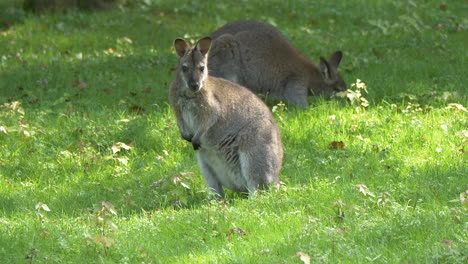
x=193, y=113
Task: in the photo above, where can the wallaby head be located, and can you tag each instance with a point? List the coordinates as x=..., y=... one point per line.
x=332, y=79
x=192, y=63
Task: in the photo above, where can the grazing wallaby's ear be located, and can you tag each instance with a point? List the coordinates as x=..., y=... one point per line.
x=325, y=69
x=203, y=45
x=336, y=58
x=181, y=46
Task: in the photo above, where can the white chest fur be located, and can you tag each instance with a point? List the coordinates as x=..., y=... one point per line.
x=190, y=121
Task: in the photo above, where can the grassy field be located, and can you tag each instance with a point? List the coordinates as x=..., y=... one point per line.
x=93, y=169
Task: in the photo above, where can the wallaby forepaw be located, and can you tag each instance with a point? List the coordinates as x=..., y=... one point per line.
x=196, y=145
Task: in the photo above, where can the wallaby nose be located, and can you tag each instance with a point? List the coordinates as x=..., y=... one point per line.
x=194, y=85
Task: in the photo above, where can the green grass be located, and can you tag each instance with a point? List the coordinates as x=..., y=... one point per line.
x=73, y=85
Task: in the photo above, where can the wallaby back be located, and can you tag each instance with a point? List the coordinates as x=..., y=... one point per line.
x=237, y=140
x=255, y=54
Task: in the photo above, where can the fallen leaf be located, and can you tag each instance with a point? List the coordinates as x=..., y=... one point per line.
x=237, y=230
x=443, y=7
x=447, y=242
x=81, y=85
x=376, y=52
x=109, y=207
x=157, y=184
x=364, y=190
x=42, y=206
x=172, y=69
x=292, y=14
x=386, y=165
x=123, y=160
x=119, y=146
x=342, y=231
x=126, y=39
x=464, y=197
x=137, y=110
x=458, y=107
x=7, y=24
x=105, y=241
x=303, y=256
x=462, y=134
x=337, y=145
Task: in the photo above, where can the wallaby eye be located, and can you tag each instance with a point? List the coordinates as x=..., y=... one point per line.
x=184, y=68
x=202, y=68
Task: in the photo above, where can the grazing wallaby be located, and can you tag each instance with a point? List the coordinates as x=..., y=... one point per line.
x=237, y=140
x=256, y=55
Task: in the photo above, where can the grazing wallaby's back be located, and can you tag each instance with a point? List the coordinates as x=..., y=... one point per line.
x=237, y=140
x=256, y=55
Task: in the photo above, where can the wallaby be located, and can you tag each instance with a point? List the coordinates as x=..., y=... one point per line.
x=256, y=55
x=236, y=138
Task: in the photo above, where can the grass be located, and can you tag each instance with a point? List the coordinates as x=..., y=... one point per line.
x=385, y=183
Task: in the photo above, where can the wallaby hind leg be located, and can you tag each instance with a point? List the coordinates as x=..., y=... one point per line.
x=211, y=181
x=256, y=172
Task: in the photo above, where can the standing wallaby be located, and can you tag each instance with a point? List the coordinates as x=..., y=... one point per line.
x=256, y=55
x=237, y=140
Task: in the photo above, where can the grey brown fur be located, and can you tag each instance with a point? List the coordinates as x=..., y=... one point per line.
x=237, y=140
x=256, y=55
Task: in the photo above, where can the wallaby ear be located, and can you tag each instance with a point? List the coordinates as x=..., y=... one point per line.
x=325, y=69
x=203, y=45
x=181, y=46
x=336, y=58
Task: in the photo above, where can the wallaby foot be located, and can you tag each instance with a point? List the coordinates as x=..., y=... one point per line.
x=256, y=179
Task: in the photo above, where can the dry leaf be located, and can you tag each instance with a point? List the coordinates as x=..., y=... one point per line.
x=81, y=85
x=157, y=184
x=447, y=242
x=337, y=145
x=303, y=256
x=458, y=107
x=137, y=110
x=119, y=146
x=109, y=207
x=292, y=14
x=42, y=206
x=364, y=190
x=105, y=241
x=123, y=160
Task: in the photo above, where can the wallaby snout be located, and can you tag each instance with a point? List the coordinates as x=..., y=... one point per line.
x=194, y=85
